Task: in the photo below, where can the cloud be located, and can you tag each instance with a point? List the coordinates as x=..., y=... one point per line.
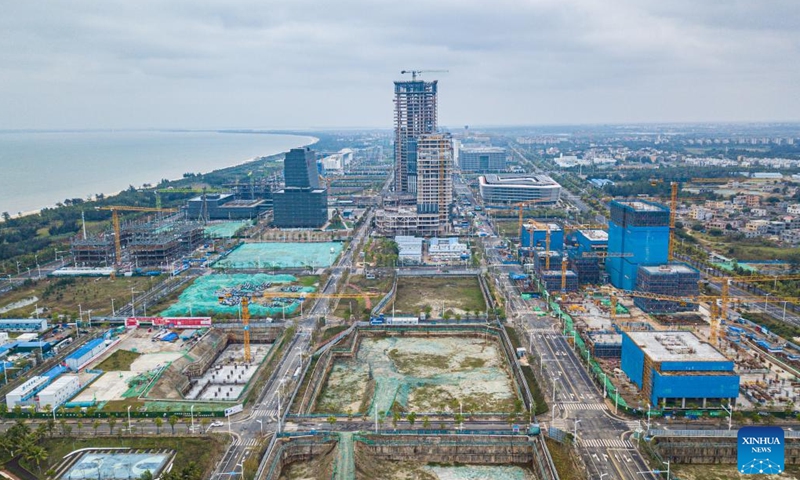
x=290, y=63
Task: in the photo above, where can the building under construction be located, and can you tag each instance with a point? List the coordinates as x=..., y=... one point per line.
x=674, y=279
x=587, y=268
x=552, y=280
x=93, y=251
x=638, y=233
x=149, y=243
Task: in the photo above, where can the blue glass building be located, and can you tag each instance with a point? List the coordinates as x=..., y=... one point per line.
x=640, y=229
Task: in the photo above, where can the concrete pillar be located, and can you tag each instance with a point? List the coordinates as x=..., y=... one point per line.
x=704, y=403
x=683, y=402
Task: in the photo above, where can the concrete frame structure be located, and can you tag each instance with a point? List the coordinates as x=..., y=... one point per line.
x=415, y=114
x=435, y=176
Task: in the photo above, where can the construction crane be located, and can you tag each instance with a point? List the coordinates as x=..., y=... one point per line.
x=414, y=73
x=244, y=303
x=520, y=205
x=718, y=311
x=115, y=221
x=564, y=273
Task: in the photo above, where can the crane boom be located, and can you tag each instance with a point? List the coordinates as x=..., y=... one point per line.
x=414, y=73
x=115, y=223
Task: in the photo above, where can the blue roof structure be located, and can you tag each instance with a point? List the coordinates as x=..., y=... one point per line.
x=86, y=348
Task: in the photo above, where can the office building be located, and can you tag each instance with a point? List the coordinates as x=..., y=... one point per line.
x=512, y=188
x=302, y=203
x=677, y=369
x=225, y=206
x=482, y=159
x=640, y=231
x=677, y=280
x=415, y=114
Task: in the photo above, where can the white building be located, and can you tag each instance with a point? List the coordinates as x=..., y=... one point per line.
x=445, y=249
x=518, y=188
x=23, y=395
x=333, y=163
x=793, y=209
x=410, y=249
x=58, y=392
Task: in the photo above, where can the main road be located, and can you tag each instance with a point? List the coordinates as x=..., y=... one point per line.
x=255, y=424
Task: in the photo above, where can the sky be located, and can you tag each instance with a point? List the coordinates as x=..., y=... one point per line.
x=306, y=64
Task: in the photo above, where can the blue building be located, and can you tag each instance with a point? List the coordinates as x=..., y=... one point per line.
x=640, y=229
x=23, y=325
x=591, y=241
x=678, y=370
x=539, y=232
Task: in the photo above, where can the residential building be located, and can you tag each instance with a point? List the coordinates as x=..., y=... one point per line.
x=791, y=237
x=793, y=209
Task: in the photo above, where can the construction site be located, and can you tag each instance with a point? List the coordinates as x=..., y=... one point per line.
x=150, y=242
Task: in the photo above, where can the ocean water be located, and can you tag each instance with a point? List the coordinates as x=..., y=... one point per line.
x=39, y=169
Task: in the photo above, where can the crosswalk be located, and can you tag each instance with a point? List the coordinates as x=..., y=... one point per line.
x=633, y=424
x=271, y=413
x=607, y=443
x=250, y=442
x=583, y=406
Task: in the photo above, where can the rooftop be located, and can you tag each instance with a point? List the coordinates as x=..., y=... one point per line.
x=670, y=269
x=483, y=149
x=601, y=235
x=518, y=180
x=641, y=206
x=606, y=338
x=675, y=347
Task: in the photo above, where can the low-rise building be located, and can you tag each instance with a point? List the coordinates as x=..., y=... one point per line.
x=791, y=237
x=505, y=189
x=446, y=249
x=756, y=228
x=58, y=392
x=409, y=249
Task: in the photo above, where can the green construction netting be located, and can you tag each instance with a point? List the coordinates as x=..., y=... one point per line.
x=281, y=255
x=225, y=229
x=202, y=297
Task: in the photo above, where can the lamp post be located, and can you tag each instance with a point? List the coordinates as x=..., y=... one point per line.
x=191, y=413
x=113, y=312
x=648, y=417
x=729, y=409
x=129, y=418
x=260, y=425
x=554, y=389
x=605, y=377
x=765, y=300
x=575, y=430
x=784, y=310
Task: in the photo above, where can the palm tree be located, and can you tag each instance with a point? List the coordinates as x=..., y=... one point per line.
x=51, y=425
x=172, y=421
x=159, y=422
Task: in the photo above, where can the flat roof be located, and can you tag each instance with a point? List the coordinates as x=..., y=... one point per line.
x=595, y=234
x=641, y=206
x=483, y=149
x=517, y=180
x=669, y=269
x=675, y=347
x=605, y=338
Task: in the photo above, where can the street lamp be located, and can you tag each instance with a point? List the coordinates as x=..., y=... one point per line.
x=129, y=418
x=191, y=412
x=784, y=310
x=260, y=425
x=575, y=430
x=765, y=300
x=729, y=409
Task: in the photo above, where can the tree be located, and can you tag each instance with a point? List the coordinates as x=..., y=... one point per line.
x=36, y=454
x=331, y=420
x=51, y=425
x=95, y=426
x=159, y=422
x=172, y=421
x=204, y=423
x=6, y=216
x=411, y=417
x=147, y=475
x=395, y=418
x=80, y=426
x=426, y=423
x=112, y=421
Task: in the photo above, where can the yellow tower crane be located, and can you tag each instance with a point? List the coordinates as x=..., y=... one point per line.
x=563, y=273
x=115, y=221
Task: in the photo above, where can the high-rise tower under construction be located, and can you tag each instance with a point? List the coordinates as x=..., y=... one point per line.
x=415, y=112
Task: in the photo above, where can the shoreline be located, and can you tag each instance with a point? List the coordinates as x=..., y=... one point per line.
x=313, y=141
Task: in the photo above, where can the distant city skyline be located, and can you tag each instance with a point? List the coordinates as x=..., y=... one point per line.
x=317, y=65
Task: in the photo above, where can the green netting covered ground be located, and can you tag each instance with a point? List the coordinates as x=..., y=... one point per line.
x=202, y=297
x=225, y=229
x=281, y=255
x=620, y=309
x=728, y=266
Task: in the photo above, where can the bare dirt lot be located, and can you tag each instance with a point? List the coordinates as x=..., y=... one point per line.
x=458, y=295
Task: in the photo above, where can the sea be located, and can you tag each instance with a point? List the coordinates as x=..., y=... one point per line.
x=40, y=169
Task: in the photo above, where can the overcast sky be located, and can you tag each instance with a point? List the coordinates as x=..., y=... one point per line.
x=331, y=63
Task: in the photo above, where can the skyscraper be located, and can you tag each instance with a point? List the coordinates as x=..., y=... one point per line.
x=303, y=203
x=415, y=112
x=639, y=230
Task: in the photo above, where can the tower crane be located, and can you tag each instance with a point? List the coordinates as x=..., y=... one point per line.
x=115, y=221
x=603, y=254
x=414, y=73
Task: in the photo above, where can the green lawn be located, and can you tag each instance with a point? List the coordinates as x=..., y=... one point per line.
x=118, y=361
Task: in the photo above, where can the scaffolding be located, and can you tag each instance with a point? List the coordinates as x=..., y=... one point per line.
x=675, y=280
x=93, y=251
x=160, y=243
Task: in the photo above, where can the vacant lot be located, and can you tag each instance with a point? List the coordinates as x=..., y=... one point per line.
x=63, y=295
x=423, y=375
x=119, y=360
x=458, y=295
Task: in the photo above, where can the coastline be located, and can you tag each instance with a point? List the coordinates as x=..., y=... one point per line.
x=313, y=140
